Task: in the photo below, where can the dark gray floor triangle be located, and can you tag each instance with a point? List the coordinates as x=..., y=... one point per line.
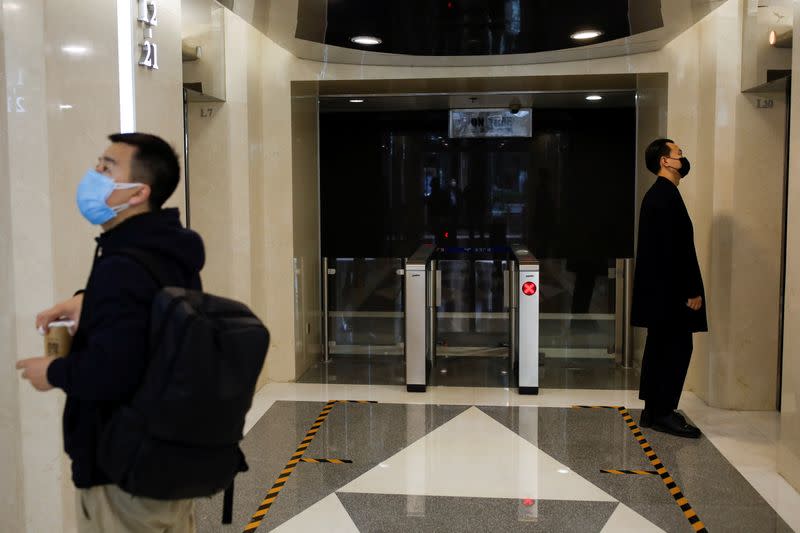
x=373, y=513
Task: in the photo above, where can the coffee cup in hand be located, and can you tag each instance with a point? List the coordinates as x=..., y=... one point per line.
x=58, y=340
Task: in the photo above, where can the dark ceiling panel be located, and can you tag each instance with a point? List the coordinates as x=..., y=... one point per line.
x=472, y=27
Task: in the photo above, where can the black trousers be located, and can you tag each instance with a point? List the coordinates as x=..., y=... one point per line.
x=666, y=359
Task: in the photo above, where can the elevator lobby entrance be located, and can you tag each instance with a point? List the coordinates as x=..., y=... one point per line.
x=555, y=172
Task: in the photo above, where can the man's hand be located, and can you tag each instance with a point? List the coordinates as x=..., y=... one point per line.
x=695, y=303
x=66, y=310
x=35, y=371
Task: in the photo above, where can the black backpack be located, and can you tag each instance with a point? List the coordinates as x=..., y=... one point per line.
x=179, y=435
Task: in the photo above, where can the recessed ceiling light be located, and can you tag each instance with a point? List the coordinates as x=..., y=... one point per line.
x=356, y=100
x=65, y=106
x=75, y=49
x=586, y=34
x=594, y=97
x=366, y=40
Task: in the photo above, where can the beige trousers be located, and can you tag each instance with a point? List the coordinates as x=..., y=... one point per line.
x=109, y=509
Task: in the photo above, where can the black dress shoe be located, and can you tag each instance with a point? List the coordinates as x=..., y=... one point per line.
x=646, y=419
x=675, y=425
x=682, y=420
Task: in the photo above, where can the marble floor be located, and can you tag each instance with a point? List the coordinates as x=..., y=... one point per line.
x=468, y=459
x=554, y=373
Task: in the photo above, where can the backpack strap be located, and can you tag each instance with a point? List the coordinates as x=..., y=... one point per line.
x=151, y=262
x=227, y=505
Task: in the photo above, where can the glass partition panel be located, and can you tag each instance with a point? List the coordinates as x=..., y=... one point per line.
x=365, y=311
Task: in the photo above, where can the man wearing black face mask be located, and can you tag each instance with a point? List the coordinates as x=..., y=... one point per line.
x=668, y=294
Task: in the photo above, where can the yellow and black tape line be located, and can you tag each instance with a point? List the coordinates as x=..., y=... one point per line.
x=332, y=461
x=294, y=460
x=631, y=472
x=661, y=470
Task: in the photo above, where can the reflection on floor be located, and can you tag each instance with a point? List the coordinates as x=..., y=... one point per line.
x=426, y=467
x=556, y=373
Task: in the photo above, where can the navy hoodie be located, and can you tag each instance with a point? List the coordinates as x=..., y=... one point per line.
x=110, y=349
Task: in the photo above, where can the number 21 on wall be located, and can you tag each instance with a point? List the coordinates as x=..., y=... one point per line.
x=149, y=57
x=148, y=14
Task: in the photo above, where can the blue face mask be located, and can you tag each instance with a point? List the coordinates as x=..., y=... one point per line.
x=93, y=191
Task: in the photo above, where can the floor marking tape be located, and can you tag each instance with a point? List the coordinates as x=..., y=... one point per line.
x=662, y=472
x=296, y=458
x=632, y=472
x=332, y=461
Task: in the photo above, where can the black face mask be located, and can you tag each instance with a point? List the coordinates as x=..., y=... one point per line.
x=685, y=166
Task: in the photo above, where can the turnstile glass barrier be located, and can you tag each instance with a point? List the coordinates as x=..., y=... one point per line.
x=472, y=311
x=580, y=309
x=463, y=305
x=464, y=322
x=363, y=297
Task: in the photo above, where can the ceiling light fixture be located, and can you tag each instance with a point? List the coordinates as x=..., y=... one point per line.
x=366, y=40
x=75, y=50
x=585, y=35
x=356, y=100
x=64, y=106
x=594, y=97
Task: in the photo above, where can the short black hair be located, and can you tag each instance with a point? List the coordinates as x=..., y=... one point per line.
x=154, y=163
x=654, y=153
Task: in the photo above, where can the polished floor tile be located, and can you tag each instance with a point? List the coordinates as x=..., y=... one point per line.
x=326, y=515
x=482, y=462
x=626, y=520
x=436, y=514
x=555, y=373
x=475, y=455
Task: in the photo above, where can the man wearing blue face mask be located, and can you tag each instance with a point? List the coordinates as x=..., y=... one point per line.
x=124, y=195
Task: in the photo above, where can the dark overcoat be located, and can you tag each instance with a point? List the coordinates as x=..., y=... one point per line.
x=667, y=271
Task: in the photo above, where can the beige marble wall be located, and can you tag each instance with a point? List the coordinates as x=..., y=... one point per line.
x=740, y=148
x=241, y=187
x=220, y=179
x=12, y=510
x=159, y=93
x=275, y=232
x=65, y=101
x=789, y=448
x=56, y=125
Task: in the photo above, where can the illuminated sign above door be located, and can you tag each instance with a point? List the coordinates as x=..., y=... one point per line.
x=503, y=122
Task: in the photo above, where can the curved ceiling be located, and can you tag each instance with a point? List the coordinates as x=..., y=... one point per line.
x=473, y=27
x=470, y=32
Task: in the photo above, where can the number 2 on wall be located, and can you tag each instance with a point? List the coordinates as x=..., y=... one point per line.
x=148, y=12
x=149, y=56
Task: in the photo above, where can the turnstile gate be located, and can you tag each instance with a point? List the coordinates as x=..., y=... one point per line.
x=521, y=303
